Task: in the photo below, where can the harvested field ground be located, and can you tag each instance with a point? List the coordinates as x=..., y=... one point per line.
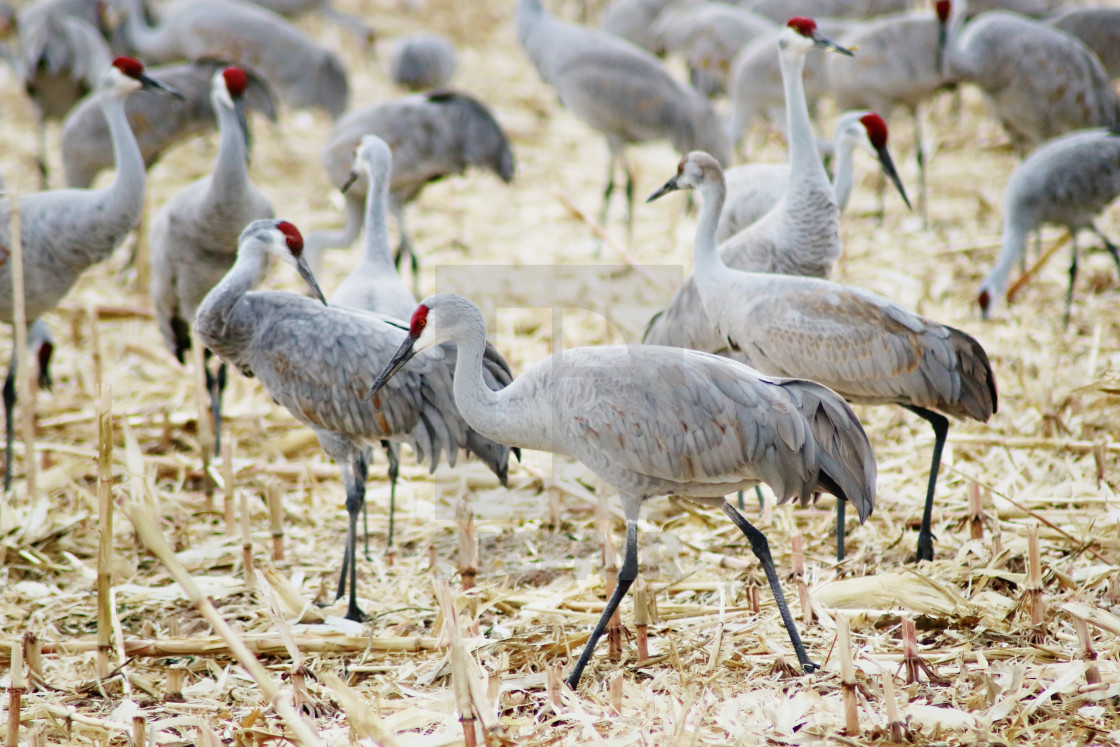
x=718, y=670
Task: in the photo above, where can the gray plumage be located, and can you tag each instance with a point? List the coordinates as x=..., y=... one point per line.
x=780, y=11
x=618, y=89
x=304, y=73
x=708, y=35
x=296, y=8
x=899, y=65
x=158, y=121
x=421, y=62
x=632, y=20
x=432, y=135
x=1038, y=81
x=1098, y=28
x=799, y=236
x=653, y=421
x=1068, y=182
x=863, y=346
x=754, y=189
x=317, y=360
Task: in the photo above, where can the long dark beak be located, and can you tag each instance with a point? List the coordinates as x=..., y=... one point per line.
x=350, y=180
x=400, y=358
x=152, y=84
x=666, y=188
x=887, y=165
x=828, y=45
x=305, y=273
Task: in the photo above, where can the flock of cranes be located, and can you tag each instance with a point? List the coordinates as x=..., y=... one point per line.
x=745, y=378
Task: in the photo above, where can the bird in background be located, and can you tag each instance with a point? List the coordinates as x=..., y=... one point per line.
x=194, y=235
x=422, y=62
x=865, y=347
x=66, y=231
x=754, y=189
x=619, y=90
x=315, y=360
x=1068, y=181
x=654, y=421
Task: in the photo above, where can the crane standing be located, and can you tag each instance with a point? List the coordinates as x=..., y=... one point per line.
x=619, y=90
x=315, y=360
x=1068, y=181
x=653, y=421
x=865, y=347
x=194, y=235
x=66, y=231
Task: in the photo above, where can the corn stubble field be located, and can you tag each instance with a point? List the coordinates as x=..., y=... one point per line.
x=998, y=635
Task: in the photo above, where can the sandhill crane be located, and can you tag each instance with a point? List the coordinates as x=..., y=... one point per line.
x=899, y=65
x=799, y=236
x=158, y=121
x=41, y=344
x=754, y=189
x=373, y=285
x=619, y=90
x=653, y=421
x=1098, y=28
x=194, y=235
x=757, y=86
x=433, y=136
x=863, y=346
x=62, y=53
x=304, y=73
x=65, y=231
x=315, y=360
x=1068, y=181
x=633, y=20
x=421, y=62
x=1038, y=81
x=708, y=35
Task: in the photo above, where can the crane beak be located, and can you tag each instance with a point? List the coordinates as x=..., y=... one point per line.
x=403, y=355
x=350, y=181
x=887, y=165
x=309, y=278
x=828, y=45
x=151, y=84
x=666, y=188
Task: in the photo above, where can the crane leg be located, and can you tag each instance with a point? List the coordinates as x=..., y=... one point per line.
x=629, y=199
x=920, y=157
x=1072, y=279
x=761, y=549
x=9, y=424
x=216, y=386
x=626, y=575
x=1108, y=245
x=41, y=159
x=841, y=509
x=361, y=466
x=606, y=199
x=355, y=498
x=757, y=494
x=940, y=425
x=394, y=472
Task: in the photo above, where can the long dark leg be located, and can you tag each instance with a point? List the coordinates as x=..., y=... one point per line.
x=9, y=423
x=757, y=494
x=940, y=425
x=841, y=509
x=361, y=466
x=355, y=497
x=394, y=473
x=920, y=156
x=216, y=386
x=629, y=200
x=607, y=192
x=626, y=575
x=761, y=549
x=1072, y=280
x=1108, y=245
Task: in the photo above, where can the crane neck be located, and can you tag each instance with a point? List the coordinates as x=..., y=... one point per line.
x=842, y=181
x=804, y=160
x=231, y=169
x=1013, y=242
x=141, y=37
x=128, y=182
x=376, y=253
x=482, y=407
x=708, y=265
x=214, y=315
x=955, y=61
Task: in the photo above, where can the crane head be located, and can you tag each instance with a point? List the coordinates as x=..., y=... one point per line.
x=876, y=130
x=126, y=75
x=800, y=27
x=695, y=170
x=372, y=157
x=943, y=8
x=44, y=354
x=283, y=240
x=984, y=301
x=421, y=336
x=228, y=90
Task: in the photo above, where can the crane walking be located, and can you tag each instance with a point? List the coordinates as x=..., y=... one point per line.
x=314, y=360
x=1068, y=181
x=194, y=235
x=865, y=347
x=66, y=231
x=653, y=421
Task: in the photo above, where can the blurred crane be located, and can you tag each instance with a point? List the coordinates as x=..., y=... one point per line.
x=315, y=360
x=754, y=189
x=1068, y=182
x=66, y=231
x=619, y=90
x=863, y=346
x=654, y=421
x=433, y=135
x=899, y=65
x=421, y=62
x=1098, y=28
x=633, y=20
x=1038, y=81
x=304, y=73
x=295, y=8
x=194, y=235
x=158, y=121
